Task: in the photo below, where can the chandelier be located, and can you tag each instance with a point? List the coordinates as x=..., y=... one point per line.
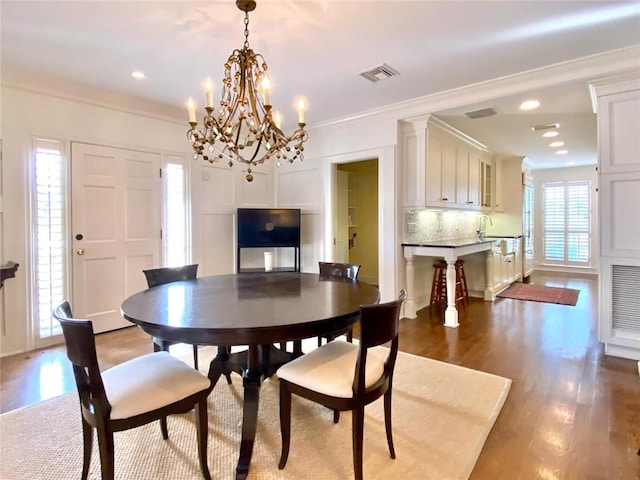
x=244, y=128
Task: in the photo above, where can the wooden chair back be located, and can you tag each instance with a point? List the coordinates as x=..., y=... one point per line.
x=160, y=276
x=340, y=270
x=379, y=324
x=81, y=351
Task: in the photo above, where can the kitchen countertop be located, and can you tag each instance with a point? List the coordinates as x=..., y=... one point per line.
x=452, y=243
x=503, y=236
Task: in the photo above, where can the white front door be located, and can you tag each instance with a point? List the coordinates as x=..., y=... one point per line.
x=116, y=209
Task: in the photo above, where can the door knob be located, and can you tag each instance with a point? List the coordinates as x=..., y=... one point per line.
x=80, y=251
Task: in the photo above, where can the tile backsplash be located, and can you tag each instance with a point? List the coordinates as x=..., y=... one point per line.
x=427, y=225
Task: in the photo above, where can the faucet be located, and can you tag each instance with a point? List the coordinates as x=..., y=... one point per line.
x=482, y=228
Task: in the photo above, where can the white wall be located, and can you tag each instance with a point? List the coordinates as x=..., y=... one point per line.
x=27, y=114
x=565, y=175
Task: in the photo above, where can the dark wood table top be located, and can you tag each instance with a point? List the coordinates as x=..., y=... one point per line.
x=248, y=308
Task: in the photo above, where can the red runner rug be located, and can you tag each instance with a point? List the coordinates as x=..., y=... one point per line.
x=540, y=293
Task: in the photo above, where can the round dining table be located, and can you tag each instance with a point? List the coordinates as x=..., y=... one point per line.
x=259, y=310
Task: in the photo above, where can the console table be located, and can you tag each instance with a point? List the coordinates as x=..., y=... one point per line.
x=8, y=271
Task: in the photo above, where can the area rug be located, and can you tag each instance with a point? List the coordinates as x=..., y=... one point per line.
x=540, y=293
x=442, y=415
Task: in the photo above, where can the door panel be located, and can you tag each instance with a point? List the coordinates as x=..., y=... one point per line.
x=116, y=208
x=341, y=246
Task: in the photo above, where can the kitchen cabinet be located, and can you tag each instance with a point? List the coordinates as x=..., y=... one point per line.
x=618, y=103
x=513, y=205
x=498, y=195
x=486, y=184
x=506, y=262
x=468, y=178
x=441, y=166
x=441, y=171
x=462, y=178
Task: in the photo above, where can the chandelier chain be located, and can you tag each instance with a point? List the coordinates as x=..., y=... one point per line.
x=246, y=30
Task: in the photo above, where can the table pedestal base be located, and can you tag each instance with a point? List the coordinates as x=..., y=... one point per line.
x=254, y=364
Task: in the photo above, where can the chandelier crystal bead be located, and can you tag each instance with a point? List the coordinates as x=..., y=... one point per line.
x=245, y=128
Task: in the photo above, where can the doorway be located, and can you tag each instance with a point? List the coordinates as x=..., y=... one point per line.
x=356, y=217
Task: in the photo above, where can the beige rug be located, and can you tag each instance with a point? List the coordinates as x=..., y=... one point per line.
x=442, y=415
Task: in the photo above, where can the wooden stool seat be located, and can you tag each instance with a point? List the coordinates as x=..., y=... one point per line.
x=439, y=284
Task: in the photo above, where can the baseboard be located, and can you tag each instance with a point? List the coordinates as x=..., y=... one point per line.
x=563, y=269
x=622, y=352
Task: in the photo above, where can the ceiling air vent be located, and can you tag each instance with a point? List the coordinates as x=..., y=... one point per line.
x=380, y=73
x=482, y=113
x=546, y=126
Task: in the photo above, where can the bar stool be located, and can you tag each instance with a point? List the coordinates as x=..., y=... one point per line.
x=461, y=283
x=439, y=284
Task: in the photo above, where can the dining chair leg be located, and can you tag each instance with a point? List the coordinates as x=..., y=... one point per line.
x=202, y=430
x=357, y=439
x=350, y=336
x=195, y=357
x=336, y=416
x=163, y=428
x=105, y=445
x=387, y=421
x=87, y=435
x=285, y=423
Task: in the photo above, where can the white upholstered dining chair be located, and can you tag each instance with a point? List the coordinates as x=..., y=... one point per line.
x=131, y=394
x=345, y=376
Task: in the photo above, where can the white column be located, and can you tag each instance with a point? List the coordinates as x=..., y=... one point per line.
x=489, y=291
x=409, y=304
x=451, y=314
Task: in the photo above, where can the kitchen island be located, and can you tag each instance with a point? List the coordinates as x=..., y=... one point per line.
x=450, y=251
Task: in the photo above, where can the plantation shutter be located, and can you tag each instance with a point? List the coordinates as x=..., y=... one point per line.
x=554, y=209
x=578, y=212
x=567, y=223
x=49, y=200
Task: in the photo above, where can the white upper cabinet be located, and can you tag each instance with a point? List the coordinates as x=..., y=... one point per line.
x=442, y=167
x=619, y=142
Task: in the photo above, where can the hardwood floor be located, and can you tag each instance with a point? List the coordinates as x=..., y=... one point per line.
x=572, y=412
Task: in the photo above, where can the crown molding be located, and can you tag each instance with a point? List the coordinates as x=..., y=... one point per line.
x=28, y=81
x=602, y=65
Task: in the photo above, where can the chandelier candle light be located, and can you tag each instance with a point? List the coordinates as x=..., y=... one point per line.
x=245, y=128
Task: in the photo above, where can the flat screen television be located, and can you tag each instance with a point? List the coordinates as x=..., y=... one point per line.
x=268, y=227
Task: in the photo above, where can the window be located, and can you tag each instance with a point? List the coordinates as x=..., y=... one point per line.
x=50, y=214
x=567, y=223
x=176, y=236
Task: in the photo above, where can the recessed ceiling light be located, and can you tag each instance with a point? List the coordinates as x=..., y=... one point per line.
x=529, y=105
x=550, y=134
x=137, y=74
x=562, y=152
x=556, y=144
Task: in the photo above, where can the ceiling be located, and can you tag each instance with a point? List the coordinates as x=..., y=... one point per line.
x=319, y=48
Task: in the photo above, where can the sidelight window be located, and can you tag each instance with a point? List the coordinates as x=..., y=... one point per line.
x=176, y=220
x=50, y=219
